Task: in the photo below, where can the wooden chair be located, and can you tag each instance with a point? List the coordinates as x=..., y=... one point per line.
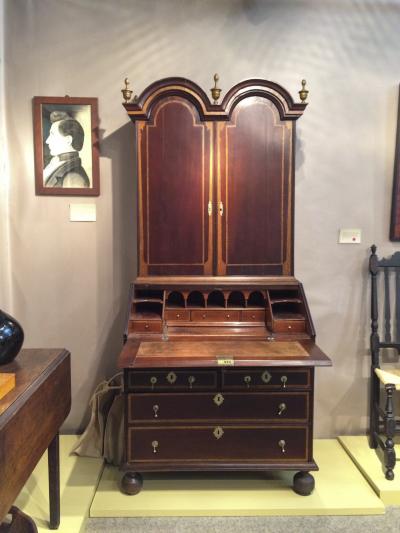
x=383, y=420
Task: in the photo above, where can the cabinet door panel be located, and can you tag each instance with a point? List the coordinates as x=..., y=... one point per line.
x=254, y=187
x=174, y=178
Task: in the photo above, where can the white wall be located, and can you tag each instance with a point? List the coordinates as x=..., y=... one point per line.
x=69, y=280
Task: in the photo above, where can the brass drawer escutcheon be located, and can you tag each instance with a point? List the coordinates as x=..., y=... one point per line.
x=191, y=380
x=218, y=432
x=284, y=380
x=155, y=445
x=155, y=409
x=219, y=399
x=266, y=376
x=153, y=381
x=171, y=377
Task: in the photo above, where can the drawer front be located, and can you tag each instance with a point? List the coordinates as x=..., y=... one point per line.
x=255, y=315
x=171, y=380
x=218, y=443
x=180, y=315
x=215, y=315
x=266, y=407
x=145, y=326
x=265, y=378
x=289, y=326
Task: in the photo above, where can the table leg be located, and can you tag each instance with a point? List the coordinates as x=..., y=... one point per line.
x=54, y=482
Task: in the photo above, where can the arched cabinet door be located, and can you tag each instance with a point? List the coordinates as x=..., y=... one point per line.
x=255, y=195
x=174, y=176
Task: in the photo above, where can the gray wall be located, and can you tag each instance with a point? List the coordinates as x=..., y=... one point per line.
x=67, y=282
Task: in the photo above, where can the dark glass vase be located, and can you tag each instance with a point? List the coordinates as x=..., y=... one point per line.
x=11, y=338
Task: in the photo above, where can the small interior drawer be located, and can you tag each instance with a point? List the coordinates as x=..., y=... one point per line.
x=215, y=315
x=253, y=315
x=289, y=326
x=145, y=326
x=177, y=314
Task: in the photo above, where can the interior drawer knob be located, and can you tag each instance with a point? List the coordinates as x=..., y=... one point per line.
x=228, y=316
x=247, y=380
x=284, y=381
x=282, y=445
x=178, y=315
x=146, y=326
x=155, y=445
x=204, y=315
x=153, y=381
x=171, y=377
x=191, y=380
x=155, y=409
x=281, y=408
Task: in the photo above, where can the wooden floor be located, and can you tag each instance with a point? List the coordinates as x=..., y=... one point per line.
x=341, y=489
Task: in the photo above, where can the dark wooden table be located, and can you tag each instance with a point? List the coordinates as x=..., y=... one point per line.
x=30, y=418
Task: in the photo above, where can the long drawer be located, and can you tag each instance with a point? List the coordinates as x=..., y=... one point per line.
x=171, y=380
x=218, y=443
x=266, y=407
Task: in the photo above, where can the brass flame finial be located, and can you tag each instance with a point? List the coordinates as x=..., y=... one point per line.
x=216, y=91
x=304, y=92
x=126, y=93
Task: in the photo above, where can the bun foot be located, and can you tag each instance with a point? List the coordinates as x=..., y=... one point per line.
x=131, y=483
x=389, y=474
x=303, y=483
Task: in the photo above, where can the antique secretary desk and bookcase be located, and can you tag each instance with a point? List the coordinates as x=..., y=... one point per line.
x=220, y=346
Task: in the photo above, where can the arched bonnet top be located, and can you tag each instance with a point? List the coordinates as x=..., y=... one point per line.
x=142, y=108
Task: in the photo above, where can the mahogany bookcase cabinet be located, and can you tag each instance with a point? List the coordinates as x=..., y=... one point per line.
x=220, y=346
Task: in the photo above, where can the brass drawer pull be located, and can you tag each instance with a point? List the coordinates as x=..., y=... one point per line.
x=266, y=376
x=228, y=316
x=178, y=315
x=219, y=399
x=191, y=380
x=281, y=408
x=282, y=445
x=153, y=381
x=218, y=432
x=146, y=326
x=247, y=380
x=155, y=409
x=171, y=377
x=155, y=445
x=284, y=380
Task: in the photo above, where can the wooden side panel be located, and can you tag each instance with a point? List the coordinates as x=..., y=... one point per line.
x=175, y=159
x=254, y=155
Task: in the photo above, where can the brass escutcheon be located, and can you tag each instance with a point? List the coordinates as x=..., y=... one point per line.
x=281, y=408
x=155, y=409
x=218, y=432
x=155, y=445
x=191, y=380
x=266, y=376
x=171, y=377
x=218, y=399
x=284, y=380
x=153, y=381
x=247, y=380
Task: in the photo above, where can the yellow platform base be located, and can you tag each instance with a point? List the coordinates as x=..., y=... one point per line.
x=7, y=383
x=340, y=490
x=369, y=463
x=78, y=481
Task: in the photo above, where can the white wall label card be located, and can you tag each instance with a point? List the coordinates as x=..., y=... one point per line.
x=82, y=212
x=350, y=236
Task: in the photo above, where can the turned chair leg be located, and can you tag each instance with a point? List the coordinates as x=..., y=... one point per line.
x=373, y=411
x=390, y=427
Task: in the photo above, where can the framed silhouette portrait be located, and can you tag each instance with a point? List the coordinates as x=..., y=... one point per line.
x=66, y=146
